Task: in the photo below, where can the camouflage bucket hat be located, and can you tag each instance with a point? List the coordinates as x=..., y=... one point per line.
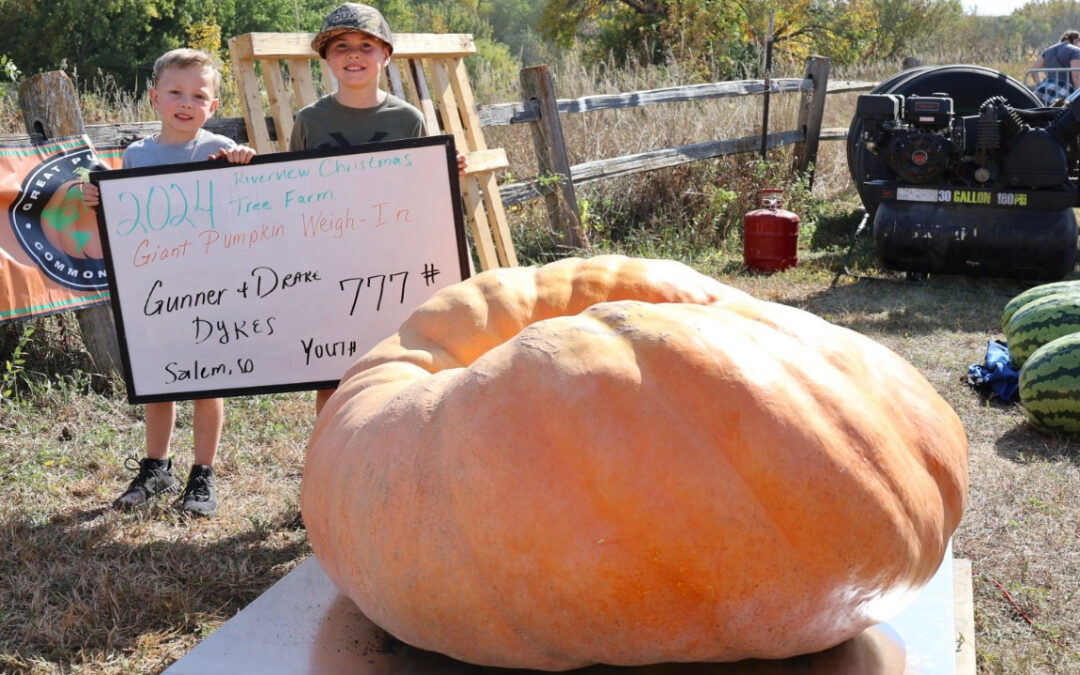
x=352, y=18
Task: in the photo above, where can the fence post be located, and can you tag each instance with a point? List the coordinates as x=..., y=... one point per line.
x=564, y=218
x=50, y=107
x=811, y=113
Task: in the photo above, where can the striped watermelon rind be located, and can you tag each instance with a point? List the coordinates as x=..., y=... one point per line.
x=1041, y=321
x=1034, y=293
x=1050, y=386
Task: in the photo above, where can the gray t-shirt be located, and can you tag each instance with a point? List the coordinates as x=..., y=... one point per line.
x=148, y=152
x=1060, y=55
x=329, y=124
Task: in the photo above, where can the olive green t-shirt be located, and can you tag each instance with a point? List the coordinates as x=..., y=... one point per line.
x=329, y=124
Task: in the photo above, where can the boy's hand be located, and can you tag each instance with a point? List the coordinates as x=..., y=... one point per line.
x=238, y=154
x=460, y=164
x=91, y=196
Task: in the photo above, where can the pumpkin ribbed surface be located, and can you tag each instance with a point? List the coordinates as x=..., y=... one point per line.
x=622, y=461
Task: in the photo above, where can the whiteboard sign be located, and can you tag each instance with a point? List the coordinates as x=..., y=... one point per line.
x=232, y=279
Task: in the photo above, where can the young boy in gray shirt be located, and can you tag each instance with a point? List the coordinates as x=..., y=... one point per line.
x=185, y=96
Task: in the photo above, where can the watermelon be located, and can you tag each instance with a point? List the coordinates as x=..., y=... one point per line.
x=1034, y=293
x=1050, y=385
x=1041, y=321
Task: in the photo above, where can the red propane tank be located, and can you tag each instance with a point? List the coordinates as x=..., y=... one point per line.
x=770, y=235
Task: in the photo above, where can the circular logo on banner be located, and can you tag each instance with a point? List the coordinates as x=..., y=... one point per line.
x=55, y=228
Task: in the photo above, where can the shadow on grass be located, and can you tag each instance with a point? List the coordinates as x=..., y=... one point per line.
x=867, y=298
x=93, y=583
x=895, y=305
x=1025, y=444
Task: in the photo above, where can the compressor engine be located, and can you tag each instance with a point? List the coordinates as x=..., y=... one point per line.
x=990, y=193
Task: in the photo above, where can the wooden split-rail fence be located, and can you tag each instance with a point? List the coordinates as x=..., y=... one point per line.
x=428, y=71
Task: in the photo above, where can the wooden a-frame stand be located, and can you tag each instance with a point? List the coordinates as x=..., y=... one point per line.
x=435, y=81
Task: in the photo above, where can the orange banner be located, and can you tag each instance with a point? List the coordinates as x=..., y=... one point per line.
x=50, y=250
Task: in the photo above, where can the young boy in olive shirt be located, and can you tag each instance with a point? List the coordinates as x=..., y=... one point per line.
x=356, y=43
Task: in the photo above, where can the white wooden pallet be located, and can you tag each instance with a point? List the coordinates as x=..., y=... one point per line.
x=303, y=625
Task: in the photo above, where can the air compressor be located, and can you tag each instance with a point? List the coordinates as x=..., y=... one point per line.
x=964, y=172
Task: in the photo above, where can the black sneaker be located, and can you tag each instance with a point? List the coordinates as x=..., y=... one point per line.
x=155, y=476
x=200, y=495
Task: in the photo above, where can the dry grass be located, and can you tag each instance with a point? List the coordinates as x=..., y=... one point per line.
x=85, y=589
x=83, y=586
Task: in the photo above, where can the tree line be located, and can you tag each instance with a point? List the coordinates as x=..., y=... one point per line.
x=722, y=39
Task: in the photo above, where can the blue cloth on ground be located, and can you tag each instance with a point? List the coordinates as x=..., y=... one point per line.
x=997, y=374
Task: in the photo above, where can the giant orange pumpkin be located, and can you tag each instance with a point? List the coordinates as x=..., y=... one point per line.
x=622, y=461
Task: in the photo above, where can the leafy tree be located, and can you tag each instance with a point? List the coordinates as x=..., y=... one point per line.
x=901, y=26
x=455, y=16
x=730, y=34
x=1041, y=24
x=514, y=23
x=122, y=38
x=84, y=35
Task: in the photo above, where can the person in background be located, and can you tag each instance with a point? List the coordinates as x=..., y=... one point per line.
x=1065, y=54
x=356, y=43
x=184, y=94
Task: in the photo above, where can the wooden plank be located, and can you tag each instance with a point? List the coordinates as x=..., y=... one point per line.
x=811, y=113
x=278, y=96
x=451, y=119
x=50, y=105
x=485, y=161
x=477, y=219
x=426, y=105
x=523, y=191
x=113, y=135
x=502, y=114
x=515, y=113
x=415, y=45
x=964, y=617
x=406, y=45
x=459, y=80
x=328, y=82
x=247, y=85
x=238, y=47
x=842, y=86
x=486, y=214
x=504, y=243
x=564, y=217
x=659, y=159
x=303, y=82
x=648, y=161
x=393, y=73
x=636, y=99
